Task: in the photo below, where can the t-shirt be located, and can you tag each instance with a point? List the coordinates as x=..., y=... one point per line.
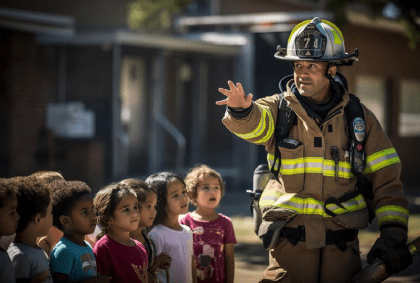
x=28, y=261
x=123, y=263
x=6, y=268
x=179, y=246
x=209, y=240
x=77, y=262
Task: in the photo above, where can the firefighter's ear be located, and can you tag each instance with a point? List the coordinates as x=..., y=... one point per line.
x=332, y=71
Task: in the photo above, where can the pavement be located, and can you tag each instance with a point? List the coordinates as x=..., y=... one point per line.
x=251, y=259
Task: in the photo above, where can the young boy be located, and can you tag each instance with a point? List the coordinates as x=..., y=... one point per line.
x=72, y=259
x=48, y=242
x=8, y=224
x=34, y=207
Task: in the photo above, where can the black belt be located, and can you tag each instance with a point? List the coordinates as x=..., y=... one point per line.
x=338, y=237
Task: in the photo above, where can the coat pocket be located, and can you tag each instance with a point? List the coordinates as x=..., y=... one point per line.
x=292, y=172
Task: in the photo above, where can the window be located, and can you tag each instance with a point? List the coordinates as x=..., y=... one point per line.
x=372, y=93
x=409, y=120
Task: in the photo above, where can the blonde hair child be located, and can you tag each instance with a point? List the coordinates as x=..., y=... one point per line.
x=213, y=232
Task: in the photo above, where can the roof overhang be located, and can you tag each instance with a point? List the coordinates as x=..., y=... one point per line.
x=36, y=23
x=137, y=39
x=262, y=22
x=281, y=22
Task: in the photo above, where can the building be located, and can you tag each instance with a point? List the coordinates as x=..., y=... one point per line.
x=85, y=95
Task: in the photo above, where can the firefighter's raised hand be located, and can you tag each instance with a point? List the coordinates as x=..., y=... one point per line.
x=235, y=96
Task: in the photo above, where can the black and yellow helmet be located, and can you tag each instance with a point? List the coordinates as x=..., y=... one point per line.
x=316, y=40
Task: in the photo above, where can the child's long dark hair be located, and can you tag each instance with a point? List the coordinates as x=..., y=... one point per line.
x=105, y=203
x=160, y=182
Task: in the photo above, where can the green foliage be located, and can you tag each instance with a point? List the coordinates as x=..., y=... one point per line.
x=410, y=12
x=154, y=15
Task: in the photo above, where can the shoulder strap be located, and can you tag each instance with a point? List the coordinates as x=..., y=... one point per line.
x=286, y=117
x=356, y=132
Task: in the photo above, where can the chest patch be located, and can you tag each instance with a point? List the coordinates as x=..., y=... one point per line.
x=317, y=142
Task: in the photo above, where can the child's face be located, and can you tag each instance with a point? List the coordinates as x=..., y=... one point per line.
x=209, y=192
x=82, y=218
x=177, y=198
x=148, y=210
x=8, y=216
x=126, y=216
x=45, y=222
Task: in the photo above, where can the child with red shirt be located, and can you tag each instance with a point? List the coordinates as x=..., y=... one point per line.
x=118, y=255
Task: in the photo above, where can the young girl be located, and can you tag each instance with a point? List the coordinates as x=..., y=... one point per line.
x=117, y=255
x=213, y=232
x=168, y=235
x=147, y=198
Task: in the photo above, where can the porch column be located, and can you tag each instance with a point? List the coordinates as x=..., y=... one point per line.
x=158, y=91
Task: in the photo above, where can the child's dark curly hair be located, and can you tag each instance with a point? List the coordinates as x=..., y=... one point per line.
x=33, y=198
x=160, y=182
x=64, y=196
x=193, y=178
x=7, y=188
x=140, y=187
x=106, y=201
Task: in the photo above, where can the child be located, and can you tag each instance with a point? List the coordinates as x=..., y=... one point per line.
x=8, y=224
x=147, y=198
x=48, y=242
x=34, y=208
x=212, y=232
x=168, y=235
x=72, y=259
x=117, y=255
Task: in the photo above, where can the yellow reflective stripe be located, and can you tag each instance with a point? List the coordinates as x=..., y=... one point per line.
x=297, y=27
x=308, y=205
x=259, y=129
x=392, y=213
x=412, y=248
x=381, y=159
x=270, y=126
x=334, y=30
x=315, y=165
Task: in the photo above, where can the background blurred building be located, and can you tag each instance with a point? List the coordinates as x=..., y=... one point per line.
x=83, y=94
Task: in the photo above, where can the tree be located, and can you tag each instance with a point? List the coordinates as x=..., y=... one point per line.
x=409, y=12
x=154, y=15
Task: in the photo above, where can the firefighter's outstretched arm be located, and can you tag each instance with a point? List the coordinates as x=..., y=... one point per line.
x=235, y=96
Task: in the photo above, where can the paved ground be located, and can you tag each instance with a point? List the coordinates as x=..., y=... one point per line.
x=251, y=258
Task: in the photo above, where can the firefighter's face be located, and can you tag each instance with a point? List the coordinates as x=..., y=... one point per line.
x=311, y=81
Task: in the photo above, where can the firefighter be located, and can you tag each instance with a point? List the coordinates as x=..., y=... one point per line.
x=315, y=201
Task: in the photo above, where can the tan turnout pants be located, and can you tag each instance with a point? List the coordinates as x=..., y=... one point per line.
x=297, y=264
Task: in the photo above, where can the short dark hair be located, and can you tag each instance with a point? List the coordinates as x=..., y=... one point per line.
x=48, y=176
x=33, y=198
x=64, y=196
x=7, y=188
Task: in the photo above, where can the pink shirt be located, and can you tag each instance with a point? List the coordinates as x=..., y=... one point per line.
x=209, y=239
x=123, y=263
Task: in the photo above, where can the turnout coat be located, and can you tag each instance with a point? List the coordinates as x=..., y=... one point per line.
x=308, y=174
